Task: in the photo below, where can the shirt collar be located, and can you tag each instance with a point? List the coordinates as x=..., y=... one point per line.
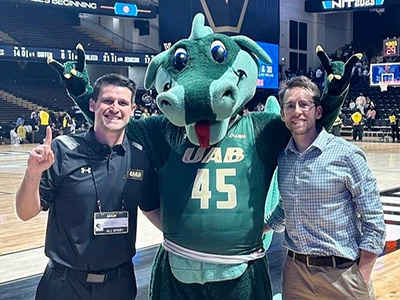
x=319, y=143
x=97, y=147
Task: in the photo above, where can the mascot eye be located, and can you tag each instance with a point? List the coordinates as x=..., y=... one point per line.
x=180, y=58
x=166, y=87
x=218, y=51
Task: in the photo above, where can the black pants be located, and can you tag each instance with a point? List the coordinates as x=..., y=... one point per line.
x=358, y=131
x=395, y=132
x=58, y=286
x=42, y=132
x=370, y=123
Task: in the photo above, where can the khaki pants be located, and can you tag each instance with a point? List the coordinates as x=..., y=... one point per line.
x=324, y=283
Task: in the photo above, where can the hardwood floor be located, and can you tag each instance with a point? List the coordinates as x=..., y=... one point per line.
x=21, y=243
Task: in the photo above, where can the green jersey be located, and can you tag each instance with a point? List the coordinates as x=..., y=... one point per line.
x=217, y=203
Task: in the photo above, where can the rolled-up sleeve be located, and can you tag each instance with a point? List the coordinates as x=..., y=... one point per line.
x=276, y=218
x=365, y=194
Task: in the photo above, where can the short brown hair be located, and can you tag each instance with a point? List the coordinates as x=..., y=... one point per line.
x=114, y=79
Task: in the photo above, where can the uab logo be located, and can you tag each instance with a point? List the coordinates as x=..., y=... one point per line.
x=135, y=174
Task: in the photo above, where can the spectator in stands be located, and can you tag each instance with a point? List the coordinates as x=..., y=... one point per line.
x=319, y=77
x=34, y=118
x=21, y=131
x=358, y=126
x=15, y=140
x=145, y=113
x=394, y=125
x=356, y=73
x=53, y=119
x=365, y=72
x=29, y=129
x=137, y=113
x=43, y=121
x=352, y=106
x=66, y=122
x=371, y=114
x=361, y=101
x=369, y=104
x=343, y=116
x=337, y=125
x=364, y=59
x=73, y=125
x=20, y=121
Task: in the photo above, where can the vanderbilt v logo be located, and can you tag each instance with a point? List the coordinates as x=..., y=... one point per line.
x=86, y=170
x=210, y=17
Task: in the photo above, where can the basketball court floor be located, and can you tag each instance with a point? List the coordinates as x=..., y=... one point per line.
x=22, y=257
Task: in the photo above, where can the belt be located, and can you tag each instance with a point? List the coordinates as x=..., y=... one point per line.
x=319, y=261
x=94, y=276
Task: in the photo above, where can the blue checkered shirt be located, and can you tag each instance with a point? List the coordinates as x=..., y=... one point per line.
x=329, y=200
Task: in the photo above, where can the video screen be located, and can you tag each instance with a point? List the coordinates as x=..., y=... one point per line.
x=268, y=76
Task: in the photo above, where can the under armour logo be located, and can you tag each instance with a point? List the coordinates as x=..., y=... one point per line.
x=86, y=170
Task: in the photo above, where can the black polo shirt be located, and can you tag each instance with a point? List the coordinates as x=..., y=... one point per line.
x=68, y=190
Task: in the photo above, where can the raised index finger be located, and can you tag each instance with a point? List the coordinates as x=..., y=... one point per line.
x=49, y=136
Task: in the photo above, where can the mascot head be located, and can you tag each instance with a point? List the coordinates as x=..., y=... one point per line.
x=203, y=81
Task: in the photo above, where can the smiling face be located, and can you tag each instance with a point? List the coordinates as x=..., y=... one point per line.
x=300, y=113
x=113, y=109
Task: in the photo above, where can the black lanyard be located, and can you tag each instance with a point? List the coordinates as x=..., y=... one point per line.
x=127, y=159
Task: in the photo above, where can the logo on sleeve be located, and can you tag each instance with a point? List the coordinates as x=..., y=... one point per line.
x=135, y=174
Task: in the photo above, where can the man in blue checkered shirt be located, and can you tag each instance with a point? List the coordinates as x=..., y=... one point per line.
x=330, y=207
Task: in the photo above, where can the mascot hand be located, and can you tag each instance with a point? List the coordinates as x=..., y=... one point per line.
x=338, y=73
x=74, y=73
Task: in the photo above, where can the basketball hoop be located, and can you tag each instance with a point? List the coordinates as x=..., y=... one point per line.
x=383, y=85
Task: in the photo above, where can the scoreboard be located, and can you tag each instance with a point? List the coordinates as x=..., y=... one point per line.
x=391, y=47
x=36, y=54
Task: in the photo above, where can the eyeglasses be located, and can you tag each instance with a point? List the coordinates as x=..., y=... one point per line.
x=304, y=106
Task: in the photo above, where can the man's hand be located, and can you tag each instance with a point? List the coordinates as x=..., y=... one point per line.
x=73, y=73
x=42, y=157
x=366, y=264
x=338, y=74
x=266, y=229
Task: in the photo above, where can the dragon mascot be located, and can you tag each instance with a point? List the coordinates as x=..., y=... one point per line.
x=214, y=166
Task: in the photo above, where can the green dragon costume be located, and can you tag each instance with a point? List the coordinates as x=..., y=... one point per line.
x=214, y=166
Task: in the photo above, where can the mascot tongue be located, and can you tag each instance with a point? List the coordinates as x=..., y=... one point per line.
x=202, y=129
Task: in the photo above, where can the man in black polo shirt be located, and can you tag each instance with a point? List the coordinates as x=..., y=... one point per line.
x=92, y=184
